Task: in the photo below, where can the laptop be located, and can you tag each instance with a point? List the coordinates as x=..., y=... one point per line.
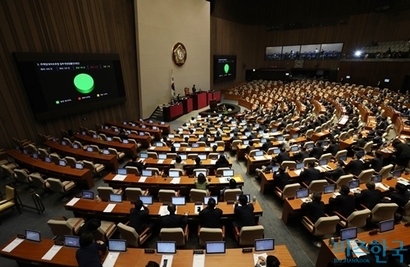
x=280, y=138
x=159, y=144
x=258, y=153
x=166, y=247
x=106, y=127
x=162, y=156
x=117, y=198
x=360, y=154
x=183, y=156
x=47, y=159
x=116, y=130
x=185, y=136
x=245, y=142
x=154, y=128
x=263, y=140
x=295, y=136
x=264, y=244
x=89, y=149
x=228, y=173
x=33, y=235
x=300, y=166
x=133, y=124
x=397, y=173
x=174, y=174
x=162, y=123
x=146, y=173
x=122, y=171
x=146, y=200
x=302, y=193
x=377, y=178
x=354, y=184
x=62, y=163
x=247, y=133
x=109, y=139
x=72, y=241
x=117, y=245
x=195, y=145
x=178, y=201
x=310, y=146
x=275, y=168
x=86, y=194
x=274, y=130
x=294, y=148
x=143, y=155
x=202, y=156
x=348, y=233
x=276, y=151
x=143, y=126
x=141, y=133
x=125, y=141
x=248, y=196
x=208, y=197
x=176, y=145
x=323, y=162
x=327, y=189
x=215, y=247
x=232, y=134
x=387, y=225
x=343, y=158
x=79, y=166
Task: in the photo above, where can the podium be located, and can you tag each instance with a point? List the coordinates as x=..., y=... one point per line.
x=170, y=113
x=200, y=100
x=188, y=105
x=214, y=96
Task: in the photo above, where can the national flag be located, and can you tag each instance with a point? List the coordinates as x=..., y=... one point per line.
x=172, y=85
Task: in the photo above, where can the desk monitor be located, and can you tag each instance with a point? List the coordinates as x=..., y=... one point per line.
x=143, y=155
x=322, y=162
x=146, y=173
x=245, y=142
x=300, y=165
x=143, y=126
x=276, y=151
x=146, y=200
x=89, y=149
x=141, y=133
x=387, y=225
x=377, y=178
x=360, y=154
x=162, y=156
x=280, y=138
x=198, y=172
x=162, y=123
x=95, y=136
x=232, y=134
x=159, y=144
x=228, y=173
x=302, y=193
x=133, y=124
x=150, y=121
x=325, y=143
x=195, y=145
x=264, y=244
x=295, y=136
x=202, y=156
x=116, y=130
x=64, y=143
x=47, y=159
x=327, y=189
x=294, y=148
x=274, y=130
x=171, y=136
x=109, y=139
x=122, y=171
x=117, y=245
x=154, y=128
x=87, y=194
x=72, y=241
x=185, y=136
x=343, y=158
x=397, y=173
x=125, y=141
x=354, y=183
x=62, y=163
x=32, y=235
x=178, y=201
x=174, y=174
x=79, y=166
x=348, y=233
x=75, y=146
x=263, y=140
x=248, y=196
x=215, y=247
x=183, y=156
x=310, y=146
x=247, y=133
x=176, y=145
x=106, y=152
x=117, y=198
x=34, y=155
x=166, y=247
x=208, y=197
x=275, y=168
x=106, y=127
x=259, y=153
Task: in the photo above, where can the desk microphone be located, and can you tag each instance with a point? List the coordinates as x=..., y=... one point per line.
x=165, y=263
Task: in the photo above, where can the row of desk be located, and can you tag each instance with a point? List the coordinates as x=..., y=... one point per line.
x=129, y=149
x=145, y=140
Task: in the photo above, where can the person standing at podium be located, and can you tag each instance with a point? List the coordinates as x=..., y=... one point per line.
x=193, y=89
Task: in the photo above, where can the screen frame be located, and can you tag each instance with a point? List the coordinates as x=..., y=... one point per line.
x=264, y=239
x=215, y=242
x=161, y=242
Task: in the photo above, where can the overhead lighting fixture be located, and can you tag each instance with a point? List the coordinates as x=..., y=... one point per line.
x=358, y=53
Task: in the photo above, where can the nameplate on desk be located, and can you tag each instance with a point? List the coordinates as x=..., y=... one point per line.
x=111, y=259
x=207, y=149
x=13, y=244
x=175, y=180
x=213, y=161
x=197, y=209
x=119, y=177
x=142, y=179
x=109, y=207
x=160, y=161
x=152, y=148
x=382, y=186
x=51, y=252
x=198, y=259
x=72, y=201
x=259, y=157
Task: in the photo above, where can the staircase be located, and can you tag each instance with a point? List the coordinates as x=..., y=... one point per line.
x=157, y=115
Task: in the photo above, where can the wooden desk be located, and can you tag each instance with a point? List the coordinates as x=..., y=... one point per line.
x=327, y=254
x=188, y=150
x=164, y=127
x=317, y=136
x=67, y=173
x=155, y=183
x=169, y=163
x=156, y=133
x=32, y=252
x=129, y=149
x=110, y=160
x=145, y=140
x=252, y=163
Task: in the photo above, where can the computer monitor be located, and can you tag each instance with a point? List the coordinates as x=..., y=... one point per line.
x=116, y=130
x=202, y=156
x=343, y=158
x=310, y=146
x=295, y=136
x=25, y=152
x=176, y=145
x=302, y=193
x=185, y=136
x=206, y=199
x=322, y=162
x=387, y=225
x=280, y=138
x=79, y=166
x=147, y=173
x=143, y=126
x=377, y=178
x=397, y=173
x=141, y=133
x=228, y=173
x=294, y=148
x=179, y=201
x=89, y=149
x=47, y=159
x=33, y=235
x=276, y=151
x=95, y=136
x=245, y=142
x=248, y=196
x=34, y=155
x=247, y=133
x=143, y=155
x=275, y=168
x=75, y=146
x=72, y=241
x=360, y=154
x=258, y=153
x=174, y=174
x=171, y=136
x=159, y=144
x=215, y=247
x=198, y=172
x=122, y=171
x=106, y=127
x=146, y=200
x=162, y=156
x=325, y=143
x=64, y=143
x=354, y=183
x=87, y=194
x=154, y=128
x=62, y=163
x=109, y=138
x=300, y=165
x=264, y=244
x=263, y=140
x=166, y=247
x=162, y=123
x=327, y=189
x=348, y=233
x=274, y=130
x=125, y=141
x=183, y=156
x=195, y=145
x=117, y=245
x=133, y=124
x=117, y=198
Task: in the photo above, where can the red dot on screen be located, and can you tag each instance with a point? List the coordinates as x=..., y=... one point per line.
x=79, y=98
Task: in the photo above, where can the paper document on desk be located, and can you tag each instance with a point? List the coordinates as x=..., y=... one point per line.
x=111, y=259
x=256, y=257
x=259, y=157
x=13, y=244
x=160, y=161
x=142, y=179
x=196, y=209
x=213, y=161
x=358, y=252
x=163, y=210
x=73, y=201
x=223, y=180
x=207, y=149
x=109, y=208
x=199, y=260
x=403, y=181
x=152, y=148
x=119, y=177
x=51, y=252
x=169, y=260
x=382, y=186
x=173, y=161
x=188, y=149
x=298, y=172
x=175, y=180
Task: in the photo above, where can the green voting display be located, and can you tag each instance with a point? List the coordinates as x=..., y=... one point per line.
x=84, y=83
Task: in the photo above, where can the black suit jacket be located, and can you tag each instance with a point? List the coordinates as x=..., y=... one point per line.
x=139, y=219
x=172, y=220
x=376, y=164
x=89, y=256
x=333, y=149
x=343, y=204
x=309, y=174
x=281, y=179
x=282, y=156
x=316, y=152
x=355, y=167
x=400, y=199
x=244, y=215
x=335, y=174
x=369, y=198
x=313, y=210
x=210, y=217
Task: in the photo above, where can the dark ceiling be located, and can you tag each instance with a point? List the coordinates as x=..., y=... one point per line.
x=293, y=14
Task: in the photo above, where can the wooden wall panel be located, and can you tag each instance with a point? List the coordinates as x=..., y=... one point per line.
x=60, y=26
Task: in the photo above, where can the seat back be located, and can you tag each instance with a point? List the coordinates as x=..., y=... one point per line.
x=60, y=227
x=173, y=234
x=95, y=148
x=165, y=195
x=209, y=234
x=37, y=180
x=317, y=185
x=71, y=161
x=21, y=176
x=326, y=156
x=132, y=170
x=154, y=170
x=248, y=234
x=133, y=193
x=309, y=133
x=326, y=225
x=31, y=149
x=89, y=165
x=230, y=194
x=306, y=161
x=235, y=144
x=289, y=164
x=128, y=233
x=406, y=209
x=43, y=152
x=385, y=171
x=368, y=147
x=290, y=190
x=221, y=170
x=213, y=156
x=192, y=156
x=152, y=155
x=56, y=185
x=55, y=158
x=365, y=176
x=104, y=192
x=197, y=195
x=358, y=218
x=344, y=180
x=341, y=153
x=383, y=211
x=181, y=172
x=8, y=171
x=171, y=155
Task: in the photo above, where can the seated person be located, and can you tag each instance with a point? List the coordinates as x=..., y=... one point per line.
x=355, y=166
x=282, y=156
x=90, y=225
x=232, y=185
x=134, y=163
x=218, y=136
x=333, y=147
x=285, y=143
x=336, y=173
x=369, y=197
x=152, y=264
x=281, y=178
x=197, y=165
x=309, y=174
x=88, y=255
x=343, y=203
x=314, y=209
x=270, y=261
x=179, y=163
x=139, y=217
x=172, y=220
x=375, y=163
x=201, y=182
x=214, y=148
x=250, y=147
x=400, y=195
x=234, y=137
x=301, y=154
x=243, y=213
x=221, y=162
x=211, y=216
x=265, y=146
x=317, y=151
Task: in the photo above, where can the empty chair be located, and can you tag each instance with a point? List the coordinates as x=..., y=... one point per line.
x=22, y=176
x=95, y=148
x=63, y=227
x=288, y=164
x=165, y=195
x=152, y=155
x=8, y=172
x=201, y=144
x=114, y=151
x=133, y=193
x=67, y=140
x=95, y=168
x=406, y=209
x=105, y=231
x=155, y=171
x=132, y=170
x=71, y=161
x=358, y=218
x=344, y=180
x=31, y=148
x=43, y=152
x=39, y=182
x=317, y=185
x=235, y=144
x=230, y=194
x=385, y=171
x=133, y=238
x=368, y=147
x=289, y=191
x=171, y=155
x=103, y=136
x=365, y=176
x=213, y=156
x=116, y=138
x=383, y=211
x=105, y=191
x=323, y=226
x=247, y=235
x=177, y=235
x=55, y=158
x=197, y=195
x=192, y=156
x=78, y=144
x=206, y=234
x=60, y=187
x=221, y=170
x=309, y=133
x=327, y=156
x=10, y=200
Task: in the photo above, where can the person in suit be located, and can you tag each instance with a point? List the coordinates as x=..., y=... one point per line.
x=375, y=163
x=234, y=137
x=281, y=178
x=179, y=163
x=139, y=217
x=268, y=144
x=90, y=225
x=333, y=147
x=211, y=216
x=369, y=197
x=232, y=185
x=134, y=163
x=243, y=213
x=400, y=195
x=355, y=166
x=336, y=173
x=172, y=220
x=152, y=264
x=282, y=156
x=272, y=261
x=317, y=151
x=221, y=162
x=301, y=155
x=343, y=203
x=314, y=209
x=402, y=153
x=197, y=165
x=218, y=137
x=88, y=255
x=309, y=174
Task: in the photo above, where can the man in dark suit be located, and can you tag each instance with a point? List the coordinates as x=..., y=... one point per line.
x=376, y=163
x=369, y=197
x=135, y=163
x=343, y=203
x=315, y=209
x=88, y=255
x=400, y=196
x=283, y=155
x=268, y=144
x=333, y=148
x=336, y=173
x=317, y=151
x=234, y=137
x=402, y=153
x=172, y=220
x=243, y=212
x=198, y=165
x=355, y=166
x=139, y=217
x=301, y=155
x=218, y=137
x=211, y=216
x=309, y=174
x=281, y=178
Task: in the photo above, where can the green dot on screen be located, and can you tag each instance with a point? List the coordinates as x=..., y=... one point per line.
x=84, y=83
x=57, y=102
x=226, y=68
